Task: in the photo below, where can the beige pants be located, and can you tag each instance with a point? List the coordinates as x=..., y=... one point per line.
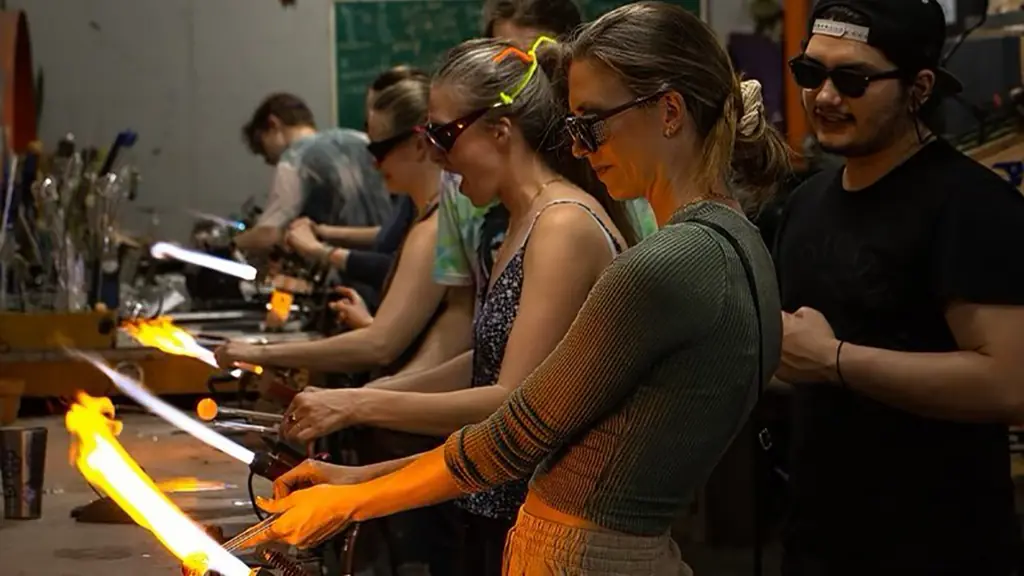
x=537, y=547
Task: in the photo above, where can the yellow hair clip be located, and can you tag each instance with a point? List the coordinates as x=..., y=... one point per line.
x=508, y=98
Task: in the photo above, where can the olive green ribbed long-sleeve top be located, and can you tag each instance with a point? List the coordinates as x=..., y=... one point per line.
x=658, y=373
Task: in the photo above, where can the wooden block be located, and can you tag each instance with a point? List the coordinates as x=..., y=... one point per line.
x=51, y=330
x=10, y=400
x=59, y=376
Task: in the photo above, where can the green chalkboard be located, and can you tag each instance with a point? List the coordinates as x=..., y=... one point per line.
x=373, y=35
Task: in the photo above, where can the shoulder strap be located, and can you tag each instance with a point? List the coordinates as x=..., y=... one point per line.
x=748, y=269
x=759, y=434
x=427, y=213
x=613, y=244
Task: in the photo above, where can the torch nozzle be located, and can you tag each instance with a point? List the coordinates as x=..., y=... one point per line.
x=269, y=466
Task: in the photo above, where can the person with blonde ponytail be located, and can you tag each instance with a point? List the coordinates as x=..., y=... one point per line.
x=660, y=369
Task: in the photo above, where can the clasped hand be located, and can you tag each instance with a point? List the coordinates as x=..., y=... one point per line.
x=301, y=237
x=808, y=348
x=351, y=308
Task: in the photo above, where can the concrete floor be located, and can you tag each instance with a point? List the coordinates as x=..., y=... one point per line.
x=57, y=545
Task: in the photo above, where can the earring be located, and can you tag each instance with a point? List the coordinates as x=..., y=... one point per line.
x=669, y=132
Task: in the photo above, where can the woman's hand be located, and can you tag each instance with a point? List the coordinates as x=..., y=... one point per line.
x=230, y=354
x=301, y=237
x=314, y=472
x=316, y=412
x=351, y=309
x=310, y=516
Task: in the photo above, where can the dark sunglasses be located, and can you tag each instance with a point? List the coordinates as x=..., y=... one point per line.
x=810, y=75
x=588, y=130
x=381, y=148
x=443, y=136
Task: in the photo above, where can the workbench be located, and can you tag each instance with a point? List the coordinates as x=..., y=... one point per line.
x=34, y=365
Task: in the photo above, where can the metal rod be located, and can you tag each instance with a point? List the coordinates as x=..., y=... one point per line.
x=245, y=427
x=250, y=414
x=209, y=410
x=240, y=541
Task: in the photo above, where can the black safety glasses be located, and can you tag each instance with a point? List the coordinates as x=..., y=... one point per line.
x=810, y=74
x=443, y=136
x=381, y=148
x=588, y=130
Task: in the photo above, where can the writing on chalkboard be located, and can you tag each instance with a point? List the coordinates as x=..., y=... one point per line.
x=371, y=36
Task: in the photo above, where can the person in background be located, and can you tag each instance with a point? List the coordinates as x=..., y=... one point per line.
x=903, y=317
x=326, y=176
x=654, y=378
x=347, y=249
x=419, y=324
x=522, y=21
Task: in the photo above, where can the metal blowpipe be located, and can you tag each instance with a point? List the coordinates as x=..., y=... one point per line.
x=208, y=410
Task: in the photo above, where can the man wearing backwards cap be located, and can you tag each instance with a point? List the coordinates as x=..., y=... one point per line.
x=904, y=302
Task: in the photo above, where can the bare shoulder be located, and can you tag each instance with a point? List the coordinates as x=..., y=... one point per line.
x=568, y=225
x=422, y=236
x=579, y=208
x=424, y=229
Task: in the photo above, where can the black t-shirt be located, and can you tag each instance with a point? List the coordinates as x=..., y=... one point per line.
x=878, y=490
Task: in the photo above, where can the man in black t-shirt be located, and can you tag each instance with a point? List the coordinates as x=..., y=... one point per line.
x=904, y=322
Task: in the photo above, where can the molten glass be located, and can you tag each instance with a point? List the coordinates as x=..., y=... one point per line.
x=98, y=455
x=207, y=409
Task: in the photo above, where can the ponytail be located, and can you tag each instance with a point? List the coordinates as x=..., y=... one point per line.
x=760, y=155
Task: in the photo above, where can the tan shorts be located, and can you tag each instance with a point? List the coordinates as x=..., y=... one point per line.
x=537, y=547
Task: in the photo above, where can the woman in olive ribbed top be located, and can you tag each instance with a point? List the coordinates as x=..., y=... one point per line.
x=636, y=404
x=661, y=367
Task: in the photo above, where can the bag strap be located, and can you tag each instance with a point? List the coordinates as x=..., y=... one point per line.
x=748, y=269
x=760, y=441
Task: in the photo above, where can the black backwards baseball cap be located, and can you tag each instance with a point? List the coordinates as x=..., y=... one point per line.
x=911, y=34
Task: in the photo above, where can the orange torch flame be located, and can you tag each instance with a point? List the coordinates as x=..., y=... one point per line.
x=162, y=334
x=103, y=461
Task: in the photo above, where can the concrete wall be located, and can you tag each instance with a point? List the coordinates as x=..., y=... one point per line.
x=185, y=74
x=727, y=16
